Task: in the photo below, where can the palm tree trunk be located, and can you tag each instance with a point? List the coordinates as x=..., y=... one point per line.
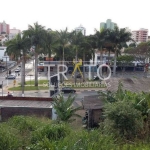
x=115, y=59
x=101, y=61
x=75, y=79
x=23, y=75
x=108, y=56
x=93, y=65
x=101, y=55
x=83, y=66
x=49, y=52
x=36, y=69
x=62, y=68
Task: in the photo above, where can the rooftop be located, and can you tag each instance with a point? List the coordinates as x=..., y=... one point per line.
x=25, y=103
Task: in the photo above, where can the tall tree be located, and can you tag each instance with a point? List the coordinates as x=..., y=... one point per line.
x=76, y=39
x=50, y=39
x=19, y=46
x=36, y=34
x=92, y=42
x=63, y=36
x=117, y=37
x=100, y=38
x=85, y=49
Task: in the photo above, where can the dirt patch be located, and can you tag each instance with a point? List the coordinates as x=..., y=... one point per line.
x=128, y=80
x=77, y=123
x=132, y=84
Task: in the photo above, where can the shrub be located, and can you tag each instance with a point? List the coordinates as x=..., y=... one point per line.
x=52, y=132
x=64, y=108
x=124, y=118
x=25, y=123
x=8, y=140
x=93, y=140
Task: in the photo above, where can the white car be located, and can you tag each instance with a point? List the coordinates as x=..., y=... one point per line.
x=17, y=70
x=10, y=77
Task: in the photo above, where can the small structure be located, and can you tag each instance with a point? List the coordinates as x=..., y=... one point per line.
x=94, y=106
x=27, y=106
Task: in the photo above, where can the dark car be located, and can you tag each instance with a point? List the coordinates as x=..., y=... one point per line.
x=96, y=78
x=78, y=76
x=68, y=90
x=11, y=77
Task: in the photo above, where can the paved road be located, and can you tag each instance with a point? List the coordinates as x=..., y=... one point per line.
x=79, y=95
x=28, y=68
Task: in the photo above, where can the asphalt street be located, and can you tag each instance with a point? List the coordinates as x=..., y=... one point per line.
x=28, y=68
x=79, y=95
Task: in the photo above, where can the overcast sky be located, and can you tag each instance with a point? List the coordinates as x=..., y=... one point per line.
x=59, y=14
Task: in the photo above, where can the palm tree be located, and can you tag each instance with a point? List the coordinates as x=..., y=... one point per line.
x=58, y=52
x=50, y=39
x=92, y=42
x=117, y=37
x=85, y=48
x=76, y=39
x=100, y=39
x=64, y=108
x=19, y=47
x=109, y=48
x=36, y=34
x=63, y=36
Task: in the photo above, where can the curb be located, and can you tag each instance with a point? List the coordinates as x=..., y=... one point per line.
x=87, y=90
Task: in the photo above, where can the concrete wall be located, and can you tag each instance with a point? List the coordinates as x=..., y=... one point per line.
x=26, y=98
x=97, y=115
x=8, y=112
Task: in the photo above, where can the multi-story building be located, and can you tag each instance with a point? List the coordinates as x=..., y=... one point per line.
x=13, y=33
x=148, y=38
x=3, y=53
x=81, y=29
x=4, y=28
x=140, y=35
x=108, y=25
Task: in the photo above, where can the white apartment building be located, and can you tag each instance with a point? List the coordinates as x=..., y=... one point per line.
x=13, y=33
x=81, y=29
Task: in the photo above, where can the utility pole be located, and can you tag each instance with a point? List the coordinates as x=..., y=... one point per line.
x=2, y=88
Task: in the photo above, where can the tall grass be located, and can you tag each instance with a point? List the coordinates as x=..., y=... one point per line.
x=31, y=133
x=8, y=138
x=52, y=132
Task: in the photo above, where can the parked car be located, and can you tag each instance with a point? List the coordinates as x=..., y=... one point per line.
x=96, y=78
x=10, y=77
x=2, y=70
x=17, y=70
x=68, y=90
x=79, y=75
x=70, y=71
